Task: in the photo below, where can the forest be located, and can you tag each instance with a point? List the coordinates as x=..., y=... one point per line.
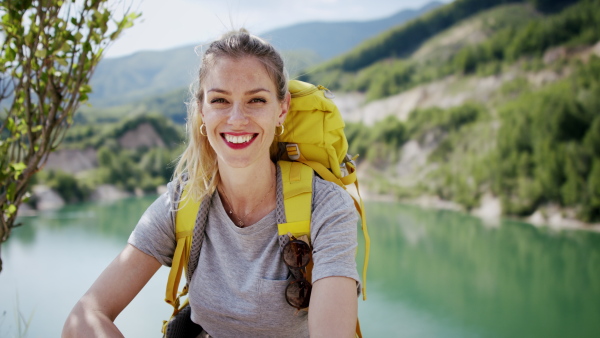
x=547, y=149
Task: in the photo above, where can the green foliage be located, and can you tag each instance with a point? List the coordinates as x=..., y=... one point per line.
x=576, y=25
x=159, y=163
x=49, y=53
x=170, y=104
x=547, y=146
x=460, y=161
x=357, y=135
x=382, y=79
x=593, y=189
x=384, y=66
x=78, y=134
x=166, y=129
x=401, y=41
x=514, y=87
x=379, y=142
x=133, y=170
x=118, y=168
x=141, y=168
x=551, y=5
x=591, y=140
x=94, y=134
x=423, y=120
x=67, y=186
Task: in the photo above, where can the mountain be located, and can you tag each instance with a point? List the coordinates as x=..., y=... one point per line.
x=329, y=39
x=391, y=54
x=141, y=75
x=402, y=41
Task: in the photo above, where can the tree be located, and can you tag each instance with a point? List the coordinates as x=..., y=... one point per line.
x=49, y=52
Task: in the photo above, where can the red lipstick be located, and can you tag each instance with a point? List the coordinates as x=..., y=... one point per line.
x=242, y=145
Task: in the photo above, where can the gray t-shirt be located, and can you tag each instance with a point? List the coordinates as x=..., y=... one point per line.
x=238, y=286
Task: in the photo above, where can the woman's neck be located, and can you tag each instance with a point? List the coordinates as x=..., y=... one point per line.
x=249, y=193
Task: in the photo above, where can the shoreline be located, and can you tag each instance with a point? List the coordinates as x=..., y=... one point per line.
x=550, y=216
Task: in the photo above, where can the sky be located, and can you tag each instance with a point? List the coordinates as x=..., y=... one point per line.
x=166, y=24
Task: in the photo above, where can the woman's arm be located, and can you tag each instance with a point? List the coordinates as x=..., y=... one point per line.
x=333, y=308
x=118, y=284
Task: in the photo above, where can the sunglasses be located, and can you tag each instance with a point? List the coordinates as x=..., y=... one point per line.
x=296, y=255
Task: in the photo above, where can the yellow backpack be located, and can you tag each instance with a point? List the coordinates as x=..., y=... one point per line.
x=314, y=135
x=313, y=140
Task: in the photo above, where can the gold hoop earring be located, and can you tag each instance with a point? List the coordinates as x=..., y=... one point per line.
x=282, y=129
x=203, y=133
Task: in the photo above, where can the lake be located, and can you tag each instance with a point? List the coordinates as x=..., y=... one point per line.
x=432, y=274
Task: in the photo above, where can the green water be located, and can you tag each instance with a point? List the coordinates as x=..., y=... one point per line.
x=432, y=274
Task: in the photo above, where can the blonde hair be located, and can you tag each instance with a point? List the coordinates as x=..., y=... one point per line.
x=198, y=163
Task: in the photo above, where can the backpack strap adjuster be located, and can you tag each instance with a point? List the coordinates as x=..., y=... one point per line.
x=293, y=151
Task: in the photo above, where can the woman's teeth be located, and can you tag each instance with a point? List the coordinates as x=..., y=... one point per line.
x=238, y=139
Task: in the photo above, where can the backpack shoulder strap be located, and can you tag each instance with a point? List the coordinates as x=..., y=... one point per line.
x=296, y=202
x=296, y=179
x=351, y=178
x=190, y=222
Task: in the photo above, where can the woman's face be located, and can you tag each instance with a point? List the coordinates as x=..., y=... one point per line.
x=240, y=110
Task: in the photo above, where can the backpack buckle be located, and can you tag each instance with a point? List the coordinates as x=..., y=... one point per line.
x=293, y=151
x=348, y=165
x=350, y=159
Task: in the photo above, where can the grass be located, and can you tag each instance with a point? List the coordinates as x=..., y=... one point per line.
x=22, y=322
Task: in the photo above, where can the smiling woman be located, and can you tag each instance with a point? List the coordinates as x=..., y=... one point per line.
x=240, y=110
x=247, y=282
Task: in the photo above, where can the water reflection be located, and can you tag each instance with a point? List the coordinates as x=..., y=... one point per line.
x=114, y=220
x=54, y=257
x=505, y=281
x=432, y=274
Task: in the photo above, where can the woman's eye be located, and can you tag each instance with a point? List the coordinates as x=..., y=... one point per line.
x=258, y=100
x=217, y=100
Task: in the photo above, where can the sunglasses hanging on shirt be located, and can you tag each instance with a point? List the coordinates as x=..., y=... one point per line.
x=296, y=255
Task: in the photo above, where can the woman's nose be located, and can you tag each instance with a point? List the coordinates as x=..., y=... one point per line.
x=237, y=115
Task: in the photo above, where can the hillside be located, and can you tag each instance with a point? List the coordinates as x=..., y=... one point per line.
x=498, y=113
x=125, y=80
x=373, y=104
x=170, y=104
x=110, y=160
x=372, y=58
x=131, y=78
x=494, y=112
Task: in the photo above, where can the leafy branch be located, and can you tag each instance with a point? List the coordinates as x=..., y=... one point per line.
x=49, y=53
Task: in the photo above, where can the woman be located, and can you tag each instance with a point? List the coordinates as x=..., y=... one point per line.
x=238, y=288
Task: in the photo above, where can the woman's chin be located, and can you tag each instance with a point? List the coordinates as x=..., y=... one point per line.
x=238, y=162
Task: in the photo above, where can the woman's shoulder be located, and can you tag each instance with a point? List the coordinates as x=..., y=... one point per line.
x=154, y=233
x=330, y=194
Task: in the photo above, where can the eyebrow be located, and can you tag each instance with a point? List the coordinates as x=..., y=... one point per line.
x=250, y=92
x=257, y=90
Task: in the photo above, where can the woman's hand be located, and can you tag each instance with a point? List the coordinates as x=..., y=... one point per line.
x=119, y=283
x=333, y=308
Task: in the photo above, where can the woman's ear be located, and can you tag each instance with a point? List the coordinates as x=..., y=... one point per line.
x=285, y=107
